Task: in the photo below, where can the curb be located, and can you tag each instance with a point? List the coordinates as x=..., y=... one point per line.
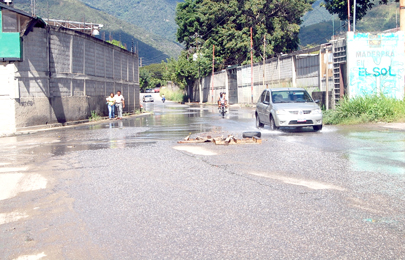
x=57, y=126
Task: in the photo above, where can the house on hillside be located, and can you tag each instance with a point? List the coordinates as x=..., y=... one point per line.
x=51, y=74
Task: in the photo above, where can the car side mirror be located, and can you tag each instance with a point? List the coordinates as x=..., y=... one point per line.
x=316, y=101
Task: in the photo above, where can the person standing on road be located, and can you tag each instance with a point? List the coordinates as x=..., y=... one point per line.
x=119, y=104
x=111, y=106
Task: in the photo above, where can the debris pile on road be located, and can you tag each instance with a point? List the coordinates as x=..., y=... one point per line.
x=221, y=140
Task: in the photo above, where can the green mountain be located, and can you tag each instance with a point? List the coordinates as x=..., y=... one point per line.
x=318, y=15
x=155, y=16
x=152, y=48
x=378, y=19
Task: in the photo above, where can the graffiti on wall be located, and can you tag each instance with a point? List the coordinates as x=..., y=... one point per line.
x=376, y=64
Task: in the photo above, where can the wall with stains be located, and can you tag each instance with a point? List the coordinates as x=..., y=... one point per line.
x=375, y=64
x=63, y=76
x=288, y=70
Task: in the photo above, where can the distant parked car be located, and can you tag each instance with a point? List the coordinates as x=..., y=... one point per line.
x=148, y=98
x=292, y=107
x=156, y=90
x=148, y=90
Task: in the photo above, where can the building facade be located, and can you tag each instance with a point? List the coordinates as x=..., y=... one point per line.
x=54, y=75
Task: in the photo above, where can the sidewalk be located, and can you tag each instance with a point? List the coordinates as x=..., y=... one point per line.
x=396, y=126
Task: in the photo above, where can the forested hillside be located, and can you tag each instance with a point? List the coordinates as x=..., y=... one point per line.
x=152, y=48
x=318, y=15
x=380, y=18
x=155, y=16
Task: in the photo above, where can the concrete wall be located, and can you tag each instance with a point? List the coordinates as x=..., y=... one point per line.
x=375, y=64
x=8, y=93
x=65, y=75
x=294, y=70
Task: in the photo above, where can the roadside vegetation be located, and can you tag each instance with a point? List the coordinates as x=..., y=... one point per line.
x=94, y=116
x=366, y=110
x=176, y=96
x=151, y=76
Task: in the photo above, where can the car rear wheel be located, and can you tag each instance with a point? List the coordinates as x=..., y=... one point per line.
x=317, y=127
x=272, y=124
x=258, y=123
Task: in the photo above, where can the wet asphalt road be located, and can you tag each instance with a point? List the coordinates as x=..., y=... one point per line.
x=127, y=190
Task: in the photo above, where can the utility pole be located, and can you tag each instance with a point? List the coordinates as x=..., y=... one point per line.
x=354, y=16
x=251, y=61
x=348, y=15
x=327, y=78
x=213, y=69
x=264, y=58
x=33, y=7
x=402, y=15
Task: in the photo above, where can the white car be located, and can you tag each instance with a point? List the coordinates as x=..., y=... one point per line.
x=148, y=98
x=291, y=107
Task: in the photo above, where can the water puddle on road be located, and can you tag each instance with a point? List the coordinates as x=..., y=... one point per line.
x=386, y=152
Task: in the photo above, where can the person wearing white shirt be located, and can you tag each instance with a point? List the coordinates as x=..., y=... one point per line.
x=119, y=104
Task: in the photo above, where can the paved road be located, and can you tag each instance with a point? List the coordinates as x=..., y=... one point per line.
x=127, y=190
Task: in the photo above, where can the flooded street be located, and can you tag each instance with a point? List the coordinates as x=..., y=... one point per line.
x=127, y=190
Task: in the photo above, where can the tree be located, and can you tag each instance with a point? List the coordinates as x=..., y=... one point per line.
x=339, y=7
x=145, y=77
x=151, y=76
x=226, y=24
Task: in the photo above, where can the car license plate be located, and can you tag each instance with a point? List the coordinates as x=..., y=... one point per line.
x=301, y=120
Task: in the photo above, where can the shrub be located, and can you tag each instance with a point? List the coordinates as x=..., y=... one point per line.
x=366, y=109
x=94, y=116
x=177, y=95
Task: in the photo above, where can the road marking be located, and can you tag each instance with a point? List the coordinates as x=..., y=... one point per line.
x=4, y=164
x=11, y=217
x=31, y=257
x=194, y=150
x=315, y=185
x=12, y=169
x=13, y=183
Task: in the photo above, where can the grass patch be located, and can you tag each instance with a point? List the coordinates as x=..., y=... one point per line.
x=94, y=116
x=365, y=110
x=177, y=96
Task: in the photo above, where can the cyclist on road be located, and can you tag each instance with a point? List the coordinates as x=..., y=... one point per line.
x=222, y=100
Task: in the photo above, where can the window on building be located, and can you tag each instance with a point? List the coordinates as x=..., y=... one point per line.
x=13, y=22
x=10, y=21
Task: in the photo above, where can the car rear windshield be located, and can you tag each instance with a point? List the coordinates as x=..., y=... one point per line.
x=289, y=96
